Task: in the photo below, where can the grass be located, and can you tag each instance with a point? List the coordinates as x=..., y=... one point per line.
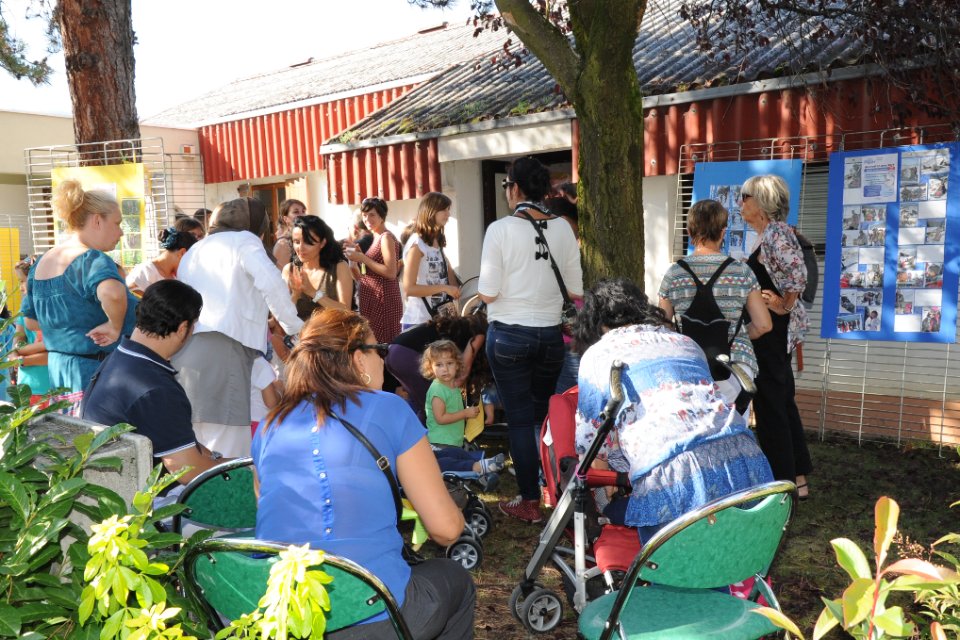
x=845, y=486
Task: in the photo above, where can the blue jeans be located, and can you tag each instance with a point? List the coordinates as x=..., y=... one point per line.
x=570, y=371
x=526, y=362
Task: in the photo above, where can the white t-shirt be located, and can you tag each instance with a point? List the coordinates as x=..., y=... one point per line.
x=263, y=376
x=143, y=275
x=525, y=283
x=433, y=270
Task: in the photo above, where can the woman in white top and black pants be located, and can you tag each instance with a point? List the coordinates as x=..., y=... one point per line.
x=524, y=342
x=240, y=286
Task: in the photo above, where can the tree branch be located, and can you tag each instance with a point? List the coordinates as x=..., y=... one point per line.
x=545, y=41
x=933, y=29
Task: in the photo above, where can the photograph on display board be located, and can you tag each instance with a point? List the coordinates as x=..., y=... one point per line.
x=910, y=171
x=872, y=318
x=736, y=241
x=853, y=279
x=735, y=221
x=904, y=304
x=937, y=186
x=869, y=298
x=852, y=173
x=913, y=193
x=906, y=258
x=873, y=213
x=876, y=233
x=931, y=320
x=933, y=275
x=850, y=322
x=851, y=218
x=874, y=276
x=850, y=258
x=846, y=303
x=934, y=161
x=909, y=279
x=936, y=230
x=909, y=214
x=855, y=239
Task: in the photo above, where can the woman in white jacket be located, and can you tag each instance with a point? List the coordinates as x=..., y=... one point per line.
x=240, y=285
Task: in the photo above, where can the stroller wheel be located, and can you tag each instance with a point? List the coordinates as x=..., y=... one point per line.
x=480, y=521
x=516, y=602
x=467, y=551
x=541, y=611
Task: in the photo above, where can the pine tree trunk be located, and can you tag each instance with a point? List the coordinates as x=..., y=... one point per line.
x=98, y=46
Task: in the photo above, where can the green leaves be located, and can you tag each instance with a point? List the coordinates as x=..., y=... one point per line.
x=857, y=601
x=851, y=558
x=887, y=513
x=9, y=621
x=13, y=493
x=778, y=619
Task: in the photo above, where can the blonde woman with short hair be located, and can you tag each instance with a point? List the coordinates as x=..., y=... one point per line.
x=777, y=261
x=75, y=294
x=426, y=270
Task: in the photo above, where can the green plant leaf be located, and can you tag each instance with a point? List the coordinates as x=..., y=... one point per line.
x=857, y=601
x=108, y=434
x=780, y=620
x=922, y=569
x=13, y=493
x=167, y=512
x=87, y=599
x=107, y=462
x=42, y=558
x=33, y=611
x=62, y=491
x=19, y=394
x=91, y=512
x=851, y=558
x=162, y=540
x=112, y=625
x=887, y=513
x=45, y=579
x=14, y=569
x=825, y=622
x=82, y=442
x=893, y=622
x=9, y=621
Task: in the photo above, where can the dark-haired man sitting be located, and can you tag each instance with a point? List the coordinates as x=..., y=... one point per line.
x=137, y=384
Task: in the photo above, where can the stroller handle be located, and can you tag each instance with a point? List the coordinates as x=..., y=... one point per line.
x=607, y=419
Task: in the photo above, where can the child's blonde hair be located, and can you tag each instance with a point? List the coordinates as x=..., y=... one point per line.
x=436, y=349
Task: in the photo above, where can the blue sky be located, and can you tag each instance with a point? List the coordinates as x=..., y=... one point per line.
x=187, y=47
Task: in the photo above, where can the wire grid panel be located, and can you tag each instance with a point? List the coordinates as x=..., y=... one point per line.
x=868, y=390
x=184, y=173
x=40, y=162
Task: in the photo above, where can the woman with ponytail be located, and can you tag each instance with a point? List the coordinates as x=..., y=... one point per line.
x=75, y=294
x=173, y=244
x=318, y=485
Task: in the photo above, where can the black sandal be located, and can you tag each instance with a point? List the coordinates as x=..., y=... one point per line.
x=802, y=498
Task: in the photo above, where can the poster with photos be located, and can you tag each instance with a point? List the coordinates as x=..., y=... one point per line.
x=892, y=258
x=723, y=182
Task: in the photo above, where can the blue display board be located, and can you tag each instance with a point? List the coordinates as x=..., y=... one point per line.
x=721, y=181
x=893, y=245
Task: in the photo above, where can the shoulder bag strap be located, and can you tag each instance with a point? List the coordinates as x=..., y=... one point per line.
x=696, y=281
x=553, y=263
x=382, y=462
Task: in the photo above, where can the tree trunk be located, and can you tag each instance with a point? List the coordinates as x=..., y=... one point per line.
x=600, y=80
x=98, y=47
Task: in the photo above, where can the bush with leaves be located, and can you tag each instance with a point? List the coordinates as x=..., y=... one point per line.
x=861, y=611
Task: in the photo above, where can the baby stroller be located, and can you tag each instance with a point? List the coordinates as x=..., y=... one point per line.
x=601, y=556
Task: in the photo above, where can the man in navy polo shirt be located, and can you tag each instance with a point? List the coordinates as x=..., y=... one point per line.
x=137, y=384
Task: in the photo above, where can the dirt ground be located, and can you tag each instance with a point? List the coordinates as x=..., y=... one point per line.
x=848, y=480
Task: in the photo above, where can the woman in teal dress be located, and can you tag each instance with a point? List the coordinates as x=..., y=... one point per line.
x=75, y=294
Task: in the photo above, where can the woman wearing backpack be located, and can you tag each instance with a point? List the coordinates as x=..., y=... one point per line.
x=735, y=289
x=777, y=261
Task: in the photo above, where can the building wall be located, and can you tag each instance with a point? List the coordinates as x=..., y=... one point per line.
x=551, y=136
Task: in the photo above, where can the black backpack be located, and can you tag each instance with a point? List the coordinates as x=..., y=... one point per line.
x=704, y=322
x=813, y=271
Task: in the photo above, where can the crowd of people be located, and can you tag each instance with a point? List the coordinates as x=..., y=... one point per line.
x=314, y=353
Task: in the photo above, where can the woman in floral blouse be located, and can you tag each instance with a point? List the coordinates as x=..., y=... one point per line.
x=680, y=443
x=777, y=261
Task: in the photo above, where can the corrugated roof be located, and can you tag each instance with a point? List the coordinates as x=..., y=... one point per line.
x=417, y=55
x=667, y=58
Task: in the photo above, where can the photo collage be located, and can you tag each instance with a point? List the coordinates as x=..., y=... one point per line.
x=740, y=238
x=904, y=195
x=920, y=240
x=129, y=251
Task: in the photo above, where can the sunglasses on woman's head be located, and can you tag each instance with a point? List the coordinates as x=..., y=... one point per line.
x=744, y=196
x=381, y=349
x=507, y=184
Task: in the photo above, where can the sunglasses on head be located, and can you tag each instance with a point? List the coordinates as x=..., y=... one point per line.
x=507, y=183
x=381, y=349
x=744, y=196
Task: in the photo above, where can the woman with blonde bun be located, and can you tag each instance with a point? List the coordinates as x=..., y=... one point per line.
x=75, y=294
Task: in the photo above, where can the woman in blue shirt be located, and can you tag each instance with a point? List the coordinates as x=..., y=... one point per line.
x=318, y=485
x=75, y=294
x=681, y=444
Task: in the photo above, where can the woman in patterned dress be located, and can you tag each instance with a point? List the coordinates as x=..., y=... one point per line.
x=680, y=443
x=777, y=261
x=376, y=273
